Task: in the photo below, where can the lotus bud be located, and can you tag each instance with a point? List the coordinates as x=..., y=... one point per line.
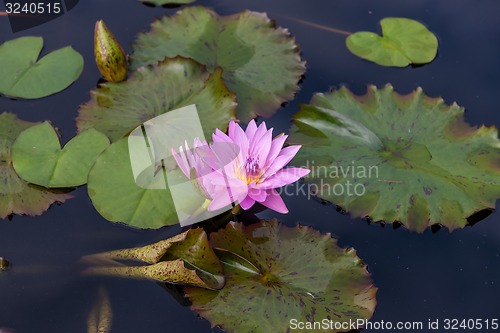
x=109, y=55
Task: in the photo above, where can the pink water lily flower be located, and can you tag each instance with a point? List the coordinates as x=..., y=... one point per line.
x=258, y=169
x=242, y=166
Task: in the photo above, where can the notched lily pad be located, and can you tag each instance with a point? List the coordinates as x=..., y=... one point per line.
x=23, y=75
x=167, y=3
x=183, y=259
x=277, y=273
x=16, y=195
x=118, y=108
x=403, y=42
x=260, y=62
x=390, y=157
x=38, y=158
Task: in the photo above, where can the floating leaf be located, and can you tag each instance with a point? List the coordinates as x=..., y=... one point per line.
x=4, y=264
x=118, y=108
x=185, y=259
x=259, y=62
x=37, y=156
x=407, y=158
x=403, y=42
x=101, y=315
x=277, y=273
x=109, y=56
x=16, y=195
x=167, y=2
x=21, y=75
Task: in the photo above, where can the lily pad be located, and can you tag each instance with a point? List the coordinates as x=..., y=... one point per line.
x=407, y=158
x=403, y=42
x=37, y=156
x=260, y=62
x=23, y=75
x=275, y=273
x=183, y=259
x=16, y=195
x=118, y=108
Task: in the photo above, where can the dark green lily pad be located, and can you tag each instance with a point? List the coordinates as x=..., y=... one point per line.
x=259, y=62
x=275, y=273
x=186, y=258
x=23, y=75
x=403, y=42
x=412, y=158
x=16, y=195
x=38, y=158
x=118, y=108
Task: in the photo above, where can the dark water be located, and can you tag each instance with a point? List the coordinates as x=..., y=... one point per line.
x=419, y=276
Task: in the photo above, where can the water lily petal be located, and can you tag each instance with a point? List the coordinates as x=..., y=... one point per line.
x=247, y=203
x=275, y=149
x=251, y=129
x=257, y=194
x=239, y=137
x=261, y=151
x=220, y=136
x=281, y=160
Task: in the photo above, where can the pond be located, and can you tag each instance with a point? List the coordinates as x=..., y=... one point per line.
x=434, y=275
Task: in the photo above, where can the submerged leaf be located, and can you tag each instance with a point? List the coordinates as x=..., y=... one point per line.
x=118, y=108
x=101, y=315
x=184, y=259
x=110, y=58
x=23, y=75
x=390, y=157
x=37, y=156
x=403, y=42
x=277, y=273
x=259, y=62
x=16, y=195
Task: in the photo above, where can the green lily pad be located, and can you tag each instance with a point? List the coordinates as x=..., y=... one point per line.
x=16, y=195
x=260, y=63
x=118, y=108
x=23, y=75
x=186, y=258
x=403, y=42
x=167, y=2
x=37, y=156
x=275, y=273
x=407, y=158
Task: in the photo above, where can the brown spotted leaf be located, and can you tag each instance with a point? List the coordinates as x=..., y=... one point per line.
x=275, y=273
x=16, y=195
x=391, y=157
x=183, y=259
